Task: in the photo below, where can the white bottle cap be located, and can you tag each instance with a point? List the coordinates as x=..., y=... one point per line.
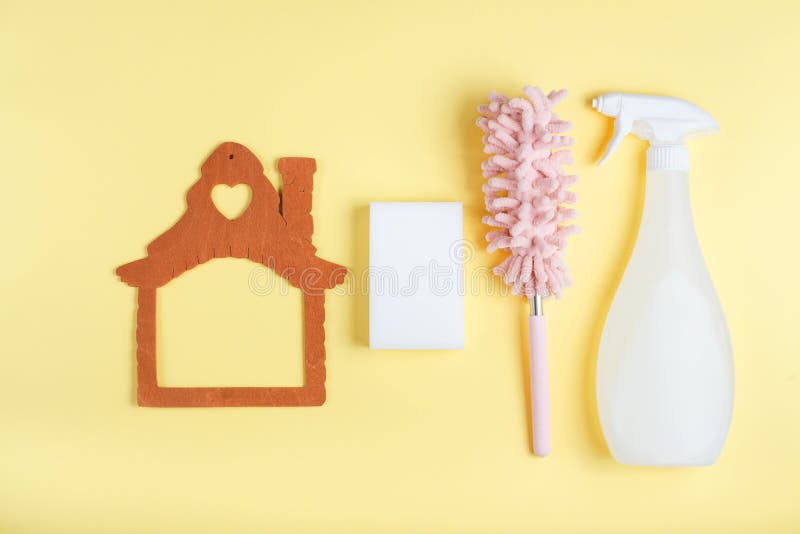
x=668, y=158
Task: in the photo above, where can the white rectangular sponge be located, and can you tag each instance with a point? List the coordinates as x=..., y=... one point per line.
x=416, y=275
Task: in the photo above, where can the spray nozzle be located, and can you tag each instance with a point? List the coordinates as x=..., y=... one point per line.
x=661, y=120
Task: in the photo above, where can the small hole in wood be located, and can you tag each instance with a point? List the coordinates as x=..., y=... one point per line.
x=230, y=156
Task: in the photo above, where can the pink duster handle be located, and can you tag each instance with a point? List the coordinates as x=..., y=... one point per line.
x=540, y=388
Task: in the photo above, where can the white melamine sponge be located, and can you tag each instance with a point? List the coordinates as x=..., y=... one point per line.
x=416, y=277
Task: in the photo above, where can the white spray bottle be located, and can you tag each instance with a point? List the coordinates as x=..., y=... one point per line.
x=665, y=366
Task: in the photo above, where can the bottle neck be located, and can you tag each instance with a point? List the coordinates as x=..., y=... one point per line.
x=667, y=221
x=667, y=216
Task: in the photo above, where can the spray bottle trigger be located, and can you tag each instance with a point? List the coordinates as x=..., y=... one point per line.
x=622, y=127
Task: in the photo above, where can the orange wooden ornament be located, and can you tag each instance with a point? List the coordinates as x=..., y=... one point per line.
x=275, y=232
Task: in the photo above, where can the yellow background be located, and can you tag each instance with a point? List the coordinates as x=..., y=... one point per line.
x=107, y=111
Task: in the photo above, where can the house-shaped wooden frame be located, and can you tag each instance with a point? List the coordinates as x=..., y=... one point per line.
x=273, y=231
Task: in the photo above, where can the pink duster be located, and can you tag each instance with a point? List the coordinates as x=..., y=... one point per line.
x=526, y=190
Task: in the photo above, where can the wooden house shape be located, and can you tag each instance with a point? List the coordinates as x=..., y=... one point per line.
x=274, y=231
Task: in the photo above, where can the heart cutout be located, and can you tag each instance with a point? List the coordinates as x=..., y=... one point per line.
x=231, y=201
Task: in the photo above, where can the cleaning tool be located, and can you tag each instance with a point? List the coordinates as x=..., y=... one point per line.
x=665, y=366
x=525, y=193
x=416, y=276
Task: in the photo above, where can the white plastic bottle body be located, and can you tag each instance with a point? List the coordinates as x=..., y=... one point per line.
x=665, y=375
